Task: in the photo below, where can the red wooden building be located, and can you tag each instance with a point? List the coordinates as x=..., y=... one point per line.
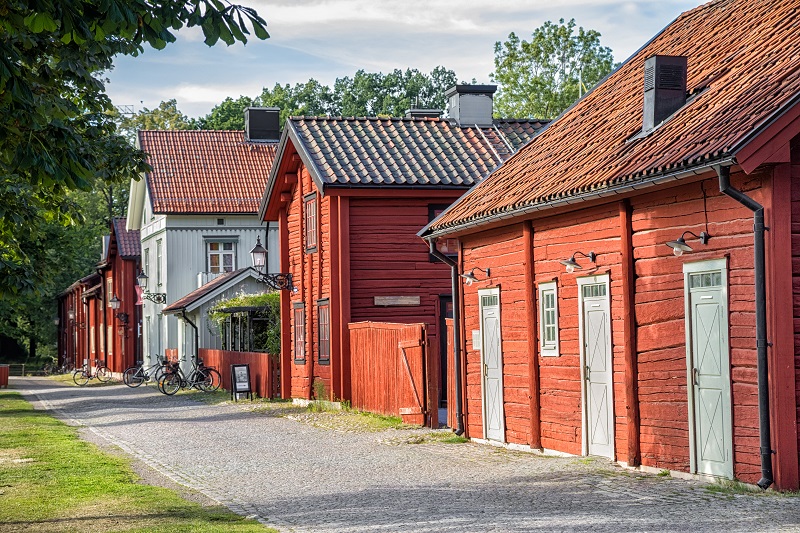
x=584, y=333
x=349, y=195
x=99, y=315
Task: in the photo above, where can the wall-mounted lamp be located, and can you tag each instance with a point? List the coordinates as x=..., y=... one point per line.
x=56, y=321
x=470, y=276
x=155, y=297
x=71, y=314
x=281, y=281
x=114, y=303
x=572, y=265
x=679, y=246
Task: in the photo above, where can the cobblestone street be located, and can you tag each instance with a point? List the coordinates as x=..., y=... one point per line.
x=295, y=476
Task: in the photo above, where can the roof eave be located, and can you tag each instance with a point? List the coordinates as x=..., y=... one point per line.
x=614, y=190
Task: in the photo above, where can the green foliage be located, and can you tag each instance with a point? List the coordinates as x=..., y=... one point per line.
x=166, y=116
x=540, y=78
x=320, y=392
x=266, y=334
x=57, y=133
x=51, y=480
x=365, y=94
x=229, y=115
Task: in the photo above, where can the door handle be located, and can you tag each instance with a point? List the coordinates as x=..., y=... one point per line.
x=485, y=369
x=588, y=373
x=695, y=377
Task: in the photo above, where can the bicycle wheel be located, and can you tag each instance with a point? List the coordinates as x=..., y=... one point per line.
x=132, y=377
x=81, y=377
x=103, y=374
x=216, y=378
x=202, y=380
x=170, y=384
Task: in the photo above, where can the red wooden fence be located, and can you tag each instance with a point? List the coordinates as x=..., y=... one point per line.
x=264, y=369
x=388, y=369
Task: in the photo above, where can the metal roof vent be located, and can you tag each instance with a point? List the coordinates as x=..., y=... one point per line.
x=424, y=113
x=262, y=124
x=664, y=88
x=469, y=105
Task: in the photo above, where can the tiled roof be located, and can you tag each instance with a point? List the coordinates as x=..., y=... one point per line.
x=743, y=68
x=202, y=291
x=405, y=151
x=205, y=171
x=128, y=243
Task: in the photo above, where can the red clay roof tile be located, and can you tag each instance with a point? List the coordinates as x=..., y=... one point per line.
x=743, y=67
x=128, y=242
x=205, y=171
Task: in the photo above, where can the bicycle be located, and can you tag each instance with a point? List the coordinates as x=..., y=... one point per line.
x=136, y=375
x=201, y=377
x=82, y=375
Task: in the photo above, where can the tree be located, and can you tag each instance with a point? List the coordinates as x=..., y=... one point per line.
x=166, y=116
x=540, y=78
x=57, y=133
x=228, y=115
x=392, y=94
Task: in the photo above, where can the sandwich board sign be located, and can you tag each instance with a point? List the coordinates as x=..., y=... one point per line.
x=240, y=381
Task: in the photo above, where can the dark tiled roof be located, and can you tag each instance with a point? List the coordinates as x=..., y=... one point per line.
x=744, y=53
x=200, y=292
x=405, y=151
x=128, y=243
x=205, y=171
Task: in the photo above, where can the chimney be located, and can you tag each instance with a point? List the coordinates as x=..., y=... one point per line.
x=424, y=113
x=664, y=88
x=262, y=124
x=469, y=105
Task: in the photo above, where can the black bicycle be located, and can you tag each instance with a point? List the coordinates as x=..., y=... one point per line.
x=82, y=375
x=138, y=374
x=201, y=377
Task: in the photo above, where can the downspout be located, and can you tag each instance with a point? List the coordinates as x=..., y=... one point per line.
x=761, y=321
x=456, y=334
x=196, y=335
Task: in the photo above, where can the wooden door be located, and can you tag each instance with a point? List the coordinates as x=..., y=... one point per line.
x=492, y=365
x=708, y=365
x=598, y=390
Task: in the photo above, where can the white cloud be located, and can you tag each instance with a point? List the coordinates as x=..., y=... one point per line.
x=326, y=39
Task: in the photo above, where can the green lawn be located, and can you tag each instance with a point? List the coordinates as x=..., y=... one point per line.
x=50, y=480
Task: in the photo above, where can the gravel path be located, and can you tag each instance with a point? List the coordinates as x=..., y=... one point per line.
x=297, y=477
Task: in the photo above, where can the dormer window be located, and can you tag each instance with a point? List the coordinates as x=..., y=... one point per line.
x=221, y=257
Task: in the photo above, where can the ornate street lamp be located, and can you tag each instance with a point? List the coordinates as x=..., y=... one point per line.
x=114, y=303
x=155, y=297
x=281, y=281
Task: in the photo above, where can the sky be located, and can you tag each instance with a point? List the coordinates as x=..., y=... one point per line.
x=329, y=39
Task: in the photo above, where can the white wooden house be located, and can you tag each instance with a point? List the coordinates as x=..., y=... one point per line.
x=197, y=213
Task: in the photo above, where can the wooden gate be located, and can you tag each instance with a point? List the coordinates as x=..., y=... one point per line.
x=388, y=370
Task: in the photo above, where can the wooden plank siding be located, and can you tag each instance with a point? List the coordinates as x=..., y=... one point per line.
x=369, y=245
x=659, y=388
x=795, y=239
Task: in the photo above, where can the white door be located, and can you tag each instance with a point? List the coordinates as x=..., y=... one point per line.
x=708, y=365
x=598, y=389
x=492, y=365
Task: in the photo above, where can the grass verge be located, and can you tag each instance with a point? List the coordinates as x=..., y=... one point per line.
x=50, y=480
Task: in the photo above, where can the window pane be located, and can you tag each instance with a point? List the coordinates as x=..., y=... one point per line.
x=213, y=246
x=227, y=262
x=213, y=261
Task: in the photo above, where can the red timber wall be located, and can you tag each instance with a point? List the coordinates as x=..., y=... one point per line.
x=502, y=251
x=121, y=336
x=388, y=259
x=367, y=247
x=793, y=183
x=659, y=389
x=311, y=274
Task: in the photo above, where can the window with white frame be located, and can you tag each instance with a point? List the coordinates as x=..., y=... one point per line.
x=310, y=213
x=299, y=333
x=548, y=319
x=221, y=256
